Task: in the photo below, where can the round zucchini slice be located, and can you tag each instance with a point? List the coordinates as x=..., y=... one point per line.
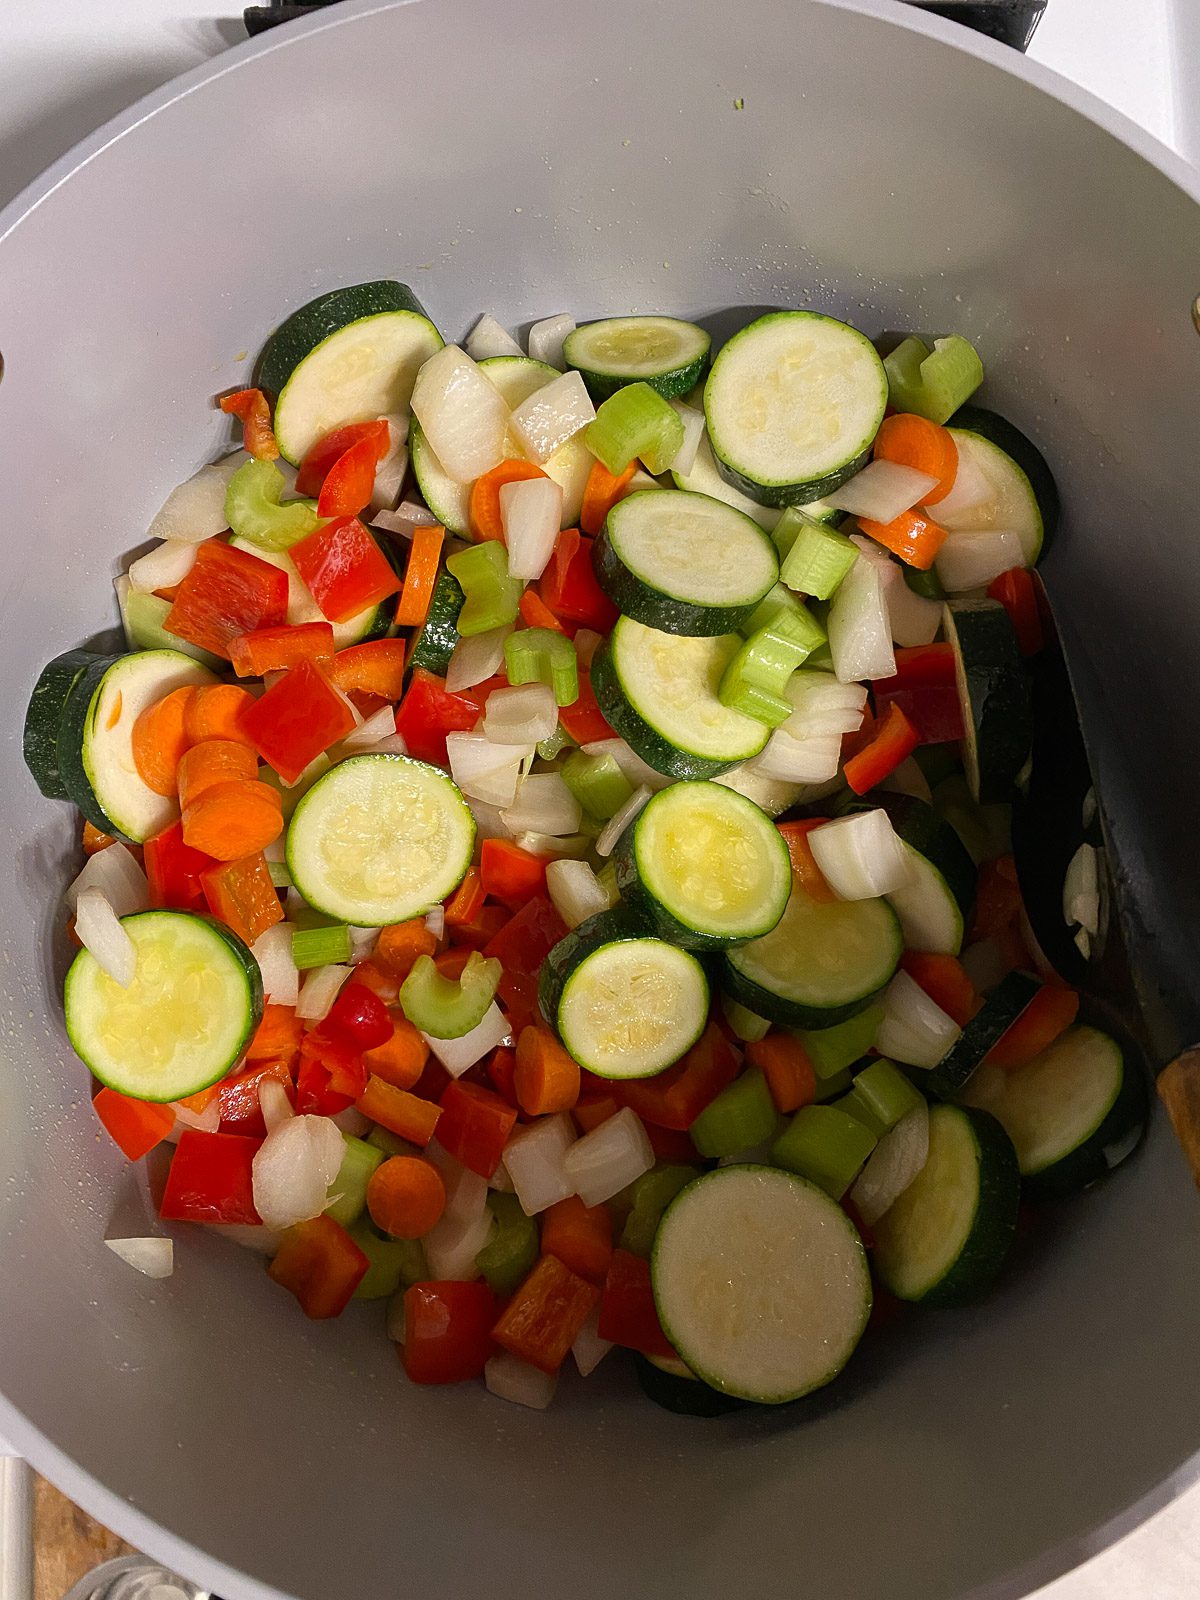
x=669, y=355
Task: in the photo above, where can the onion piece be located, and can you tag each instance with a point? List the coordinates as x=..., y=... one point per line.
x=520, y=716
x=882, y=491
x=459, y=1055
x=544, y=804
x=196, y=509
x=589, y=1349
x=167, y=564
x=393, y=745
x=379, y=725
x=551, y=416
x=970, y=489
x=914, y=1030
x=823, y=706
x=861, y=856
x=561, y=847
x=119, y=878
x=896, y=1160
x=860, y=634
x=250, y=1235
x=391, y=470
x=99, y=931
x=362, y=944
x=476, y=659
x=534, y=1159
x=396, y=1318
x=274, y=1104
x=466, y=1191
x=417, y=515
x=609, y=1158
x=693, y=432
x=633, y=768
x=293, y=1169
x=319, y=990
x=510, y=1378
x=531, y=515
x=152, y=1257
x=811, y=760
x=461, y=413
x=489, y=822
x=436, y=922
x=1081, y=889
x=575, y=891
x=484, y=770
x=206, y=1121
x=908, y=778
x=487, y=340
x=280, y=975
x=453, y=1243
x=545, y=341
x=620, y=820
x=912, y=618
x=971, y=559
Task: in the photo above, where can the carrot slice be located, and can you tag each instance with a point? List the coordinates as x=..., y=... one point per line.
x=547, y=1078
x=402, y=1059
x=783, y=1062
x=216, y=713
x=235, y=819
x=278, y=1036
x=804, y=863
x=601, y=493
x=399, y=945
x=160, y=738
x=210, y=762
x=579, y=1236
x=376, y=668
x=93, y=840
x=483, y=510
x=912, y=537
x=406, y=1115
x=420, y=576
x=913, y=441
x=535, y=613
x=1051, y=1012
x=406, y=1197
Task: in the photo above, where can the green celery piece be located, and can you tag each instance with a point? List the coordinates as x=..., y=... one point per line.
x=395, y=1263
x=757, y=674
x=933, y=383
x=636, y=421
x=831, y=1088
x=280, y=876
x=880, y=1096
x=144, y=616
x=832, y=1050
x=903, y=368
x=824, y=1145
x=558, y=741
x=749, y=1027
x=350, y=1185
x=819, y=559
x=927, y=584
x=492, y=597
x=539, y=655
x=741, y=1116
x=778, y=598
x=649, y=1196
x=606, y=877
x=320, y=947
x=510, y=1254
x=448, y=1008
x=391, y=1143
x=253, y=511
x=597, y=782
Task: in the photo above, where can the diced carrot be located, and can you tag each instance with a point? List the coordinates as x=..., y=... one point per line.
x=401, y=1060
x=420, y=576
x=450, y=963
x=483, y=510
x=945, y=981
x=94, y=841
x=404, y=1114
x=232, y=820
x=211, y=762
x=378, y=981
x=501, y=1070
x=1051, y=1012
x=601, y=493
x=135, y=1126
x=465, y=904
x=482, y=927
x=376, y=667
x=535, y=613
x=277, y=649
x=916, y=539
x=997, y=898
x=579, y=1236
x=547, y=1078
x=590, y=1111
x=399, y=945
x=406, y=1196
x=216, y=713
x=540, y=1322
x=675, y=1098
x=913, y=441
x=200, y=1102
x=804, y=863
x=241, y=895
x=278, y=1036
x=160, y=738
x=783, y=1062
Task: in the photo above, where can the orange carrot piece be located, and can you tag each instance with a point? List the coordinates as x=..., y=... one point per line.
x=483, y=509
x=216, y=713
x=241, y=895
x=210, y=762
x=399, y=945
x=406, y=1115
x=406, y=1197
x=402, y=1059
x=600, y=495
x=375, y=668
x=1051, y=1012
x=420, y=576
x=450, y=963
x=997, y=898
x=278, y=1036
x=379, y=982
x=783, y=1062
x=547, y=1078
x=466, y=902
x=579, y=1236
x=913, y=441
x=93, y=840
x=160, y=738
x=944, y=979
x=912, y=537
x=235, y=819
x=535, y=613
x=590, y=1113
x=804, y=863
x=199, y=1103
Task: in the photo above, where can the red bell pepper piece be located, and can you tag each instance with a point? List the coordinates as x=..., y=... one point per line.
x=315, y=1095
x=340, y=1056
x=361, y=1016
x=920, y=665
x=535, y=613
x=627, y=1312
x=924, y=689
x=501, y=1070
x=1051, y=1011
x=350, y=481
x=569, y=587
x=228, y=592
x=894, y=741
x=375, y=668
x=540, y=1322
x=584, y=720
x=997, y=898
x=333, y=446
x=465, y=904
x=804, y=863
x=509, y=873
x=173, y=871
x=474, y=1126
x=447, y=1331
x=344, y=569
x=321, y=1265
x=521, y=947
x=429, y=712
x=945, y=981
x=431, y=1085
x=669, y=1144
x=211, y=1179
x=676, y=1097
x=250, y=405
x=482, y=927
x=1016, y=592
x=592, y=1109
x=278, y=1036
x=135, y=1126
x=241, y=895
x=297, y=719
x=241, y=1111
x=276, y=649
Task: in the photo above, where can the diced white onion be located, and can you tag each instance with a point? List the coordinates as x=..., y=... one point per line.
x=392, y=745
x=545, y=340
x=206, y=1121
x=319, y=990
x=914, y=619
x=882, y=491
x=484, y=770
x=488, y=339
x=416, y=515
x=453, y=1243
x=861, y=856
x=458, y=1055
x=379, y=725
x=586, y=645
x=476, y=659
x=568, y=847
x=500, y=1181
x=620, y=820
x=293, y=1169
x=914, y=1029
x=1081, y=890
x=250, y=1235
x=544, y=804
x=273, y=1102
x=970, y=560
x=604, y=1161
x=168, y=563
x=1083, y=943
x=436, y=922
x=389, y=473
x=98, y=930
x=970, y=490
x=362, y=944
x=633, y=768
x=534, y=1159
x=531, y=514
x=908, y=778
x=273, y=952
x=576, y=892
x=589, y=1349
x=196, y=509
x=466, y=1191
x=510, y=1378
x=551, y=415
x=153, y=1258
x=693, y=432
x=461, y=414
x=789, y=760
x=520, y=716
x=116, y=873
x=860, y=634
x=823, y=706
x=489, y=822
x=394, y=1326
x=895, y=1161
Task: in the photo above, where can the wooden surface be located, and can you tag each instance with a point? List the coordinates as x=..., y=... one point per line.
x=67, y=1543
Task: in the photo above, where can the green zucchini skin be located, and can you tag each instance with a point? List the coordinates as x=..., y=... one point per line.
x=73, y=729
x=434, y=644
x=43, y=717
x=685, y=1397
x=313, y=323
x=995, y=693
x=1008, y=437
x=644, y=740
x=999, y=1011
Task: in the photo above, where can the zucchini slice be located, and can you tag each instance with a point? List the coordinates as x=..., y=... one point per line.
x=347, y=356
x=669, y=355
x=793, y=403
x=936, y=901
x=195, y=1000
x=433, y=644
x=986, y=1028
x=820, y=965
x=774, y=795
x=43, y=716
x=659, y=692
x=1018, y=474
x=706, y=866
x=379, y=839
x=761, y=1283
x=945, y=1238
x=1072, y=1113
x=993, y=688
x=624, y=1004
x=373, y=623
x=705, y=479
x=676, y=1388
x=684, y=563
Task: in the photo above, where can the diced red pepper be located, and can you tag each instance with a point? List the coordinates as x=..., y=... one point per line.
x=321, y=1265
x=924, y=688
x=1017, y=593
x=228, y=592
x=535, y=613
x=344, y=569
x=173, y=871
x=297, y=719
x=241, y=1111
x=135, y=1126
x=676, y=1097
x=919, y=665
x=804, y=863
x=569, y=587
x=447, y=1331
x=241, y=895
x=584, y=720
x=340, y=1057
x=521, y=947
x=350, y=481
x=258, y=436
x=465, y=904
x=627, y=1312
x=375, y=668
x=997, y=898
x=1051, y=1012
x=894, y=741
x=334, y=445
x=429, y=712
x=361, y=1016
x=540, y=1322
x=509, y=873
x=211, y=1179
x=278, y=1036
x=431, y=1085
x=944, y=979
x=591, y=1110
x=482, y=927
x=315, y=1095
x=276, y=649
x=474, y=1126
x=669, y=1144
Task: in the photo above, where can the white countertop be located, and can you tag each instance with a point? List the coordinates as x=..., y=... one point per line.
x=66, y=68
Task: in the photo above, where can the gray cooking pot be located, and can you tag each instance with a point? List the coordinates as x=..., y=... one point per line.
x=530, y=158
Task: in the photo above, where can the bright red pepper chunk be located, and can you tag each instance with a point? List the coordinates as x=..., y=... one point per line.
x=924, y=689
x=315, y=1094
x=361, y=1016
x=1017, y=593
x=334, y=445
x=276, y=649
x=321, y=1265
x=509, y=873
x=521, y=947
x=474, y=1126
x=297, y=720
x=241, y=1111
x=628, y=1316
x=447, y=1331
x=228, y=592
x=173, y=871
x=350, y=481
x=569, y=587
x=894, y=741
x=584, y=720
x=676, y=1097
x=250, y=406
x=211, y=1179
x=341, y=1058
x=540, y=1322
x=135, y=1126
x=344, y=569
x=429, y=712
